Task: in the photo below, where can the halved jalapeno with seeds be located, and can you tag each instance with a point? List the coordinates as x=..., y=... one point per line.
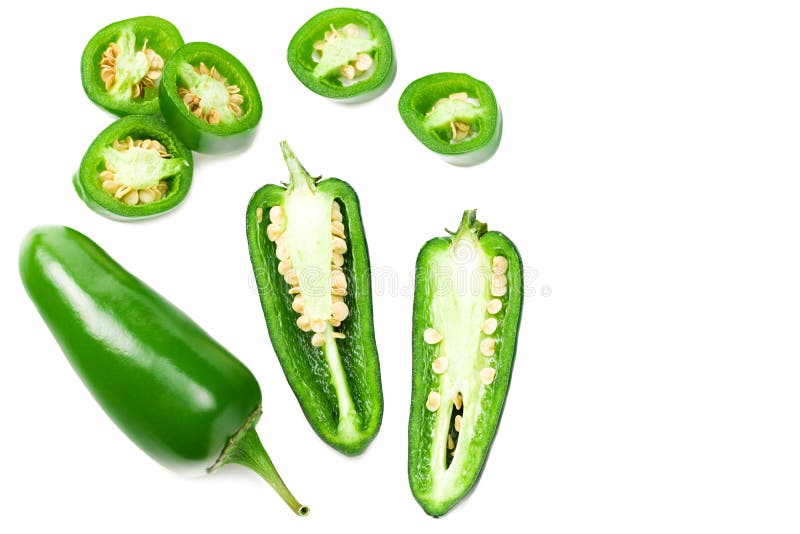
x=135, y=168
x=343, y=53
x=122, y=64
x=467, y=308
x=210, y=99
x=310, y=260
x=454, y=115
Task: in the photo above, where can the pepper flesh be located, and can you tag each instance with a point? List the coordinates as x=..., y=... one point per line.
x=336, y=381
x=189, y=72
x=325, y=55
x=454, y=115
x=132, y=37
x=460, y=381
x=173, y=390
x=135, y=168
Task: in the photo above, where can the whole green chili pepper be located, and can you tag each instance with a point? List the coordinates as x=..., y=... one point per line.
x=209, y=99
x=454, y=115
x=311, y=264
x=467, y=307
x=344, y=54
x=135, y=168
x=178, y=394
x=122, y=64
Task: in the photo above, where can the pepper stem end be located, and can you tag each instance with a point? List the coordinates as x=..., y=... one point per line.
x=470, y=225
x=249, y=452
x=297, y=173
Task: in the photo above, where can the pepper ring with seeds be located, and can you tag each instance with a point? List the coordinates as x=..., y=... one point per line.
x=343, y=53
x=122, y=64
x=210, y=99
x=135, y=168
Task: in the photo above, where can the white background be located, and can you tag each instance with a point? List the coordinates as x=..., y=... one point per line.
x=648, y=171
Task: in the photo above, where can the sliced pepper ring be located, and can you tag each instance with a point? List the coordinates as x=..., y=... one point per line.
x=344, y=54
x=122, y=64
x=209, y=99
x=454, y=115
x=135, y=168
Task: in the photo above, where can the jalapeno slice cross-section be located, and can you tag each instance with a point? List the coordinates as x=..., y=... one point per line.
x=343, y=53
x=122, y=64
x=210, y=99
x=467, y=306
x=311, y=264
x=134, y=168
x=454, y=115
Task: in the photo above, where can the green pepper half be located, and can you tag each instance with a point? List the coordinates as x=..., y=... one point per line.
x=122, y=64
x=454, y=115
x=210, y=99
x=311, y=263
x=135, y=168
x=173, y=390
x=343, y=53
x=467, y=308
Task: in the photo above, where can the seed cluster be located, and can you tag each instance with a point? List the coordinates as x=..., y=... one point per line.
x=499, y=287
x=355, y=68
x=128, y=194
x=338, y=281
x=195, y=104
x=108, y=69
x=459, y=129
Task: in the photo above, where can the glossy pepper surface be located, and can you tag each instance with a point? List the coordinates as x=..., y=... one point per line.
x=467, y=308
x=343, y=53
x=209, y=99
x=135, y=168
x=122, y=64
x=454, y=115
x=310, y=261
x=173, y=390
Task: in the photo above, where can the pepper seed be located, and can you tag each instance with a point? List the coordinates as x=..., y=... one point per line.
x=489, y=326
x=431, y=336
x=457, y=423
x=494, y=306
x=499, y=265
x=487, y=346
x=440, y=365
x=317, y=340
x=487, y=375
x=434, y=401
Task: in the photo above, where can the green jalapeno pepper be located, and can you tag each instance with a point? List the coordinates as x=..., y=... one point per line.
x=172, y=389
x=454, y=115
x=135, y=168
x=311, y=264
x=122, y=64
x=467, y=306
x=209, y=99
x=343, y=53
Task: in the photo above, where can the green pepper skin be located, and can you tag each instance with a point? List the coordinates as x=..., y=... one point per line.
x=196, y=133
x=421, y=95
x=88, y=184
x=299, y=55
x=162, y=36
x=174, y=391
x=471, y=454
x=305, y=370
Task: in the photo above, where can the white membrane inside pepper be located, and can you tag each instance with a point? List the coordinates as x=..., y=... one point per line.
x=461, y=277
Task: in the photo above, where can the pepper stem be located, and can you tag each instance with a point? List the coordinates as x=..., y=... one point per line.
x=470, y=225
x=249, y=452
x=297, y=173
